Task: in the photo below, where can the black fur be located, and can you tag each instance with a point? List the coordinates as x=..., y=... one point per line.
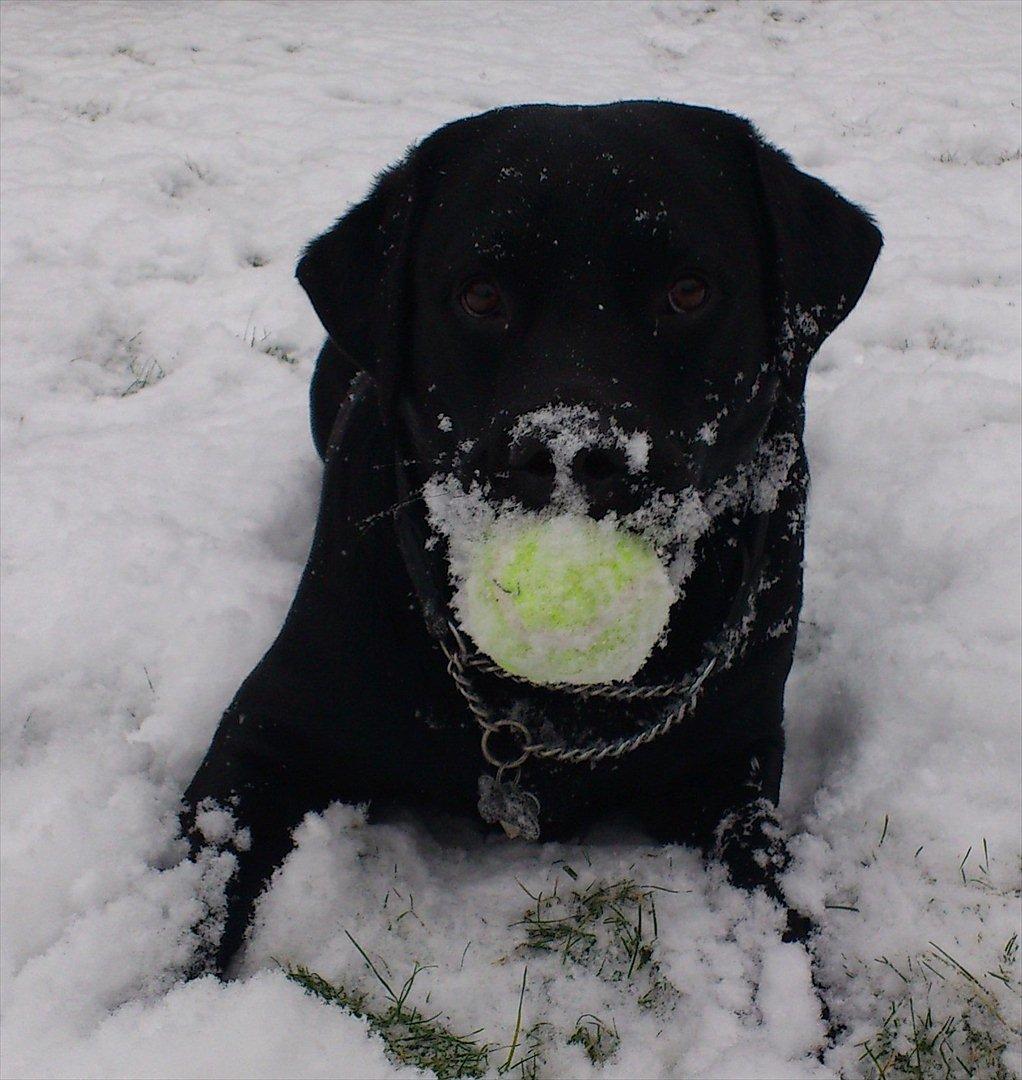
x=585, y=217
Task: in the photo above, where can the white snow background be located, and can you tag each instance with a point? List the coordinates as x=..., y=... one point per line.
x=163, y=166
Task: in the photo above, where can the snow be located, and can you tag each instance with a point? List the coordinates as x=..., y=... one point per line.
x=567, y=429
x=163, y=166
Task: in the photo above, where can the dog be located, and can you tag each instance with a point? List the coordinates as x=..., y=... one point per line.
x=618, y=302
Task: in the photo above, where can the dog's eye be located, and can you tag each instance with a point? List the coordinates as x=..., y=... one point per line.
x=688, y=293
x=481, y=298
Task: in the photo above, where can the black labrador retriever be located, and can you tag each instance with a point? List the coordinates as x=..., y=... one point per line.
x=635, y=271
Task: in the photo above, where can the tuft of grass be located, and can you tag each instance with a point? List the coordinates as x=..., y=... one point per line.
x=91, y=110
x=533, y=1046
x=609, y=928
x=509, y=1063
x=599, y=1040
x=947, y=1021
x=145, y=374
x=126, y=357
x=263, y=343
x=410, y=1037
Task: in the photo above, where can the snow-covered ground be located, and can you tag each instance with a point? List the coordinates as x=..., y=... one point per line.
x=163, y=165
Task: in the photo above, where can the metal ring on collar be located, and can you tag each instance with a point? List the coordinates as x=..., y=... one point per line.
x=516, y=731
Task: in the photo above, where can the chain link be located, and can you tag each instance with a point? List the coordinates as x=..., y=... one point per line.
x=611, y=691
x=459, y=659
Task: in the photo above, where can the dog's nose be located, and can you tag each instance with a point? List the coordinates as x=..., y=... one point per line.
x=531, y=472
x=594, y=468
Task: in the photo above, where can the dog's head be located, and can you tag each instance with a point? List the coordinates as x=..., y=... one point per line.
x=590, y=305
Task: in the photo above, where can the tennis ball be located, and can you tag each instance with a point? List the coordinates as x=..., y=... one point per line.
x=566, y=599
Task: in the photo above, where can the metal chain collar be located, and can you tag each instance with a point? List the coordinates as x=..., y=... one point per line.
x=460, y=659
x=611, y=691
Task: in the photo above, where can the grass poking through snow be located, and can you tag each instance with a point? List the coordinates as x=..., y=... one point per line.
x=599, y=1040
x=940, y=1021
x=265, y=344
x=609, y=928
x=948, y=1021
x=411, y=1038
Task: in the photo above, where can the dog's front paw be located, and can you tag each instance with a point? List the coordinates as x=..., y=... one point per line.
x=751, y=845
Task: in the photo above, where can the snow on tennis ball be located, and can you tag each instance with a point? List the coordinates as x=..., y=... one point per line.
x=566, y=599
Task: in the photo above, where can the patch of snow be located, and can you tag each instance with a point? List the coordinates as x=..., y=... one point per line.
x=708, y=432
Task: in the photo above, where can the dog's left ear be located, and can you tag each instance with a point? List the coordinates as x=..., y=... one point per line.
x=824, y=250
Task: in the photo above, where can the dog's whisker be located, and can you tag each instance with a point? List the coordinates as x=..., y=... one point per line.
x=400, y=461
x=414, y=496
x=366, y=522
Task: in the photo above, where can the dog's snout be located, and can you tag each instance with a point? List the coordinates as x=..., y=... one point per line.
x=561, y=455
x=594, y=466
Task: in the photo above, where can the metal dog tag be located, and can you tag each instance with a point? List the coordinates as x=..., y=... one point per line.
x=512, y=807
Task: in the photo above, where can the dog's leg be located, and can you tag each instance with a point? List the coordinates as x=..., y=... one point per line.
x=749, y=840
x=302, y=732
x=737, y=824
x=727, y=809
x=746, y=836
x=751, y=844
x=305, y=727
x=243, y=802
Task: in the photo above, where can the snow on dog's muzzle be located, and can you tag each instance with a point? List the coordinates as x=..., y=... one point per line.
x=553, y=595
x=556, y=595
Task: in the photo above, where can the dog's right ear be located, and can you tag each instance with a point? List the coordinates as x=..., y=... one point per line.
x=354, y=276
x=342, y=271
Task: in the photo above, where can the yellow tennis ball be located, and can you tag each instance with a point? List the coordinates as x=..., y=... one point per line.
x=567, y=599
